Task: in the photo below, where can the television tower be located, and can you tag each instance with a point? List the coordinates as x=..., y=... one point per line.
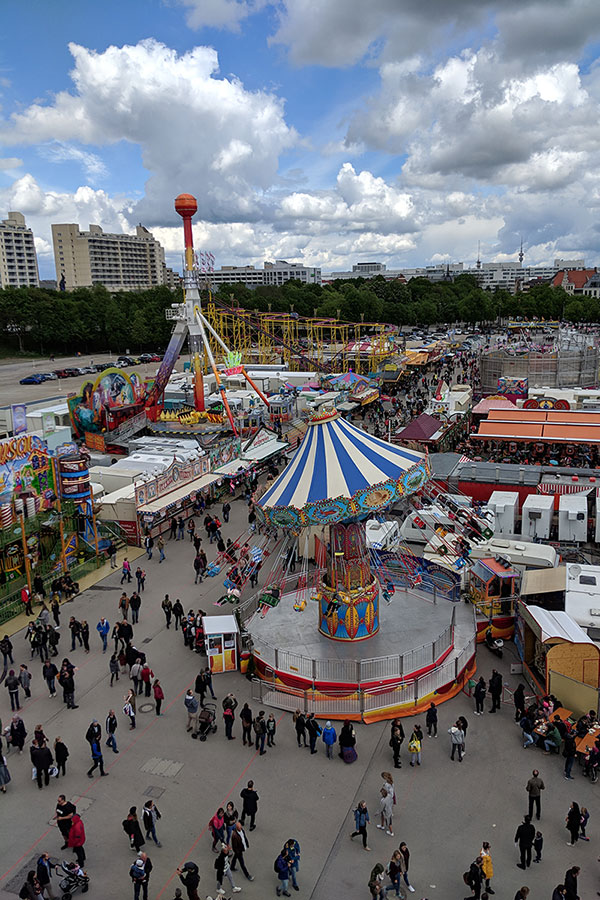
x=521, y=254
x=478, y=263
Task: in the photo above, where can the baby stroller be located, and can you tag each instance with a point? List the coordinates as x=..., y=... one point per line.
x=75, y=879
x=206, y=721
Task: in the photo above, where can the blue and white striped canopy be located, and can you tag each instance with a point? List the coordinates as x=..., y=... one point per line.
x=341, y=472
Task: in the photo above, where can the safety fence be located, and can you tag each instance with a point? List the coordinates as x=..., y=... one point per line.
x=356, y=671
x=399, y=698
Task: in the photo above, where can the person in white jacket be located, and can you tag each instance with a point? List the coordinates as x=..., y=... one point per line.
x=457, y=739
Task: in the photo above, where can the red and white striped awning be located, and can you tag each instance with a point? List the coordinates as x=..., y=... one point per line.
x=549, y=488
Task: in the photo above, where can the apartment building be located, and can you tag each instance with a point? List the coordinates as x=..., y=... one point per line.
x=18, y=259
x=121, y=262
x=275, y=273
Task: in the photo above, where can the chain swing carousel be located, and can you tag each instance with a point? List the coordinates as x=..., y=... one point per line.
x=338, y=478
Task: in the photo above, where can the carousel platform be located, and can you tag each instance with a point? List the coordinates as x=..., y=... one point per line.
x=415, y=636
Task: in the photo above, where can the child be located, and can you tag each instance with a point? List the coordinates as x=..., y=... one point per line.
x=584, y=820
x=271, y=729
x=538, y=843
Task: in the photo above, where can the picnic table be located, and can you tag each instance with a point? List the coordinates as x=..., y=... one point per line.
x=563, y=715
x=588, y=740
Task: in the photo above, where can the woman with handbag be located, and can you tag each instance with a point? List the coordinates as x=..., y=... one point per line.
x=347, y=742
x=415, y=744
x=131, y=827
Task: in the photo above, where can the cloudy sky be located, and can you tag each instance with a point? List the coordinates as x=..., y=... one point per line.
x=323, y=131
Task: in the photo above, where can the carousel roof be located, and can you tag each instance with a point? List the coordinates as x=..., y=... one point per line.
x=341, y=472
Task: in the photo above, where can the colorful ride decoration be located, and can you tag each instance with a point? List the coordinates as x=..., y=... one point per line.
x=107, y=402
x=339, y=476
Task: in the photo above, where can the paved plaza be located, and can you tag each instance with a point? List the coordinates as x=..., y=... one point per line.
x=444, y=809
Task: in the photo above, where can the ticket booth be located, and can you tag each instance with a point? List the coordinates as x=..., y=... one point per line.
x=221, y=637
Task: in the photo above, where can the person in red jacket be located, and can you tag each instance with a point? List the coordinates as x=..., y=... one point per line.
x=76, y=838
x=158, y=695
x=146, y=675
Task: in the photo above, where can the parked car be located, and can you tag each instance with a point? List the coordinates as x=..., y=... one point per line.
x=147, y=358
x=72, y=372
x=61, y=373
x=124, y=361
x=87, y=370
x=36, y=378
x=48, y=376
x=101, y=367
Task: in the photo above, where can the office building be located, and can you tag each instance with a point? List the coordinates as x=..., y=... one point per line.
x=121, y=262
x=18, y=260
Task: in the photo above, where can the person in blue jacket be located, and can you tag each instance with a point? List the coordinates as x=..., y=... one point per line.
x=282, y=867
x=329, y=738
x=361, y=818
x=292, y=848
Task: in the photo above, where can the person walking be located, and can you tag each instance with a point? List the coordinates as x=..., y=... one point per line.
x=6, y=649
x=282, y=867
x=76, y=839
x=131, y=827
x=113, y=667
x=148, y=546
x=129, y=708
x=226, y=511
x=573, y=821
x=178, y=613
x=158, y=696
x=361, y=820
x=173, y=528
x=571, y=876
x=123, y=606
x=111, y=726
x=246, y=720
x=192, y=706
x=61, y=754
x=180, y=528
x=239, y=845
x=44, y=870
x=431, y=720
x=140, y=577
x=525, y=837
x=41, y=759
x=487, y=867
x=406, y=857
x=85, y=635
x=167, y=608
x=103, y=628
x=534, y=788
x=519, y=701
x=135, y=600
x=135, y=673
x=250, y=805
x=300, y=726
x=223, y=870
x=495, y=688
x=457, y=738
x=217, y=829
x=49, y=673
x=479, y=694
x=126, y=571
x=161, y=549
x=538, y=844
x=150, y=816
x=208, y=680
x=329, y=738
x=146, y=676
x=97, y=760
x=198, y=568
x=474, y=877
x=25, y=680
x=347, y=742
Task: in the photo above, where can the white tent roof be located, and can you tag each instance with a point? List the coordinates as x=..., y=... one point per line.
x=558, y=625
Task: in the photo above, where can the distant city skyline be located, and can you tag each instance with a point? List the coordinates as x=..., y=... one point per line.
x=323, y=134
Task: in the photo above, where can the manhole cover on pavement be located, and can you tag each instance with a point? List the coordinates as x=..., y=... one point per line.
x=154, y=792
x=145, y=707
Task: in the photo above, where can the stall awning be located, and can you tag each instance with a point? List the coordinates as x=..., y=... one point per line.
x=235, y=467
x=346, y=406
x=265, y=451
x=180, y=494
x=544, y=581
x=219, y=625
x=556, y=625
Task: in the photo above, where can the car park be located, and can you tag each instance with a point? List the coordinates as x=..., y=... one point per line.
x=36, y=378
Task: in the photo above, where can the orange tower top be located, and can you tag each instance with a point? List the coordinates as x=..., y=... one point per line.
x=186, y=205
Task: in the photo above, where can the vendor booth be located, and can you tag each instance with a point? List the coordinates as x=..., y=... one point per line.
x=558, y=656
x=221, y=637
x=492, y=588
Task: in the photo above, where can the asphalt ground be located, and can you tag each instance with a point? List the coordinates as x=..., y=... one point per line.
x=444, y=809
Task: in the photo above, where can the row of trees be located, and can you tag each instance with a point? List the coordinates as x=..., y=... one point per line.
x=92, y=319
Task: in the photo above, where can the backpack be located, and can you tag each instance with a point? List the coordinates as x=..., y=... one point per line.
x=275, y=866
x=467, y=878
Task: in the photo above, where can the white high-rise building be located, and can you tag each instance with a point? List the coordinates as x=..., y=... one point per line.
x=121, y=262
x=18, y=259
x=275, y=273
